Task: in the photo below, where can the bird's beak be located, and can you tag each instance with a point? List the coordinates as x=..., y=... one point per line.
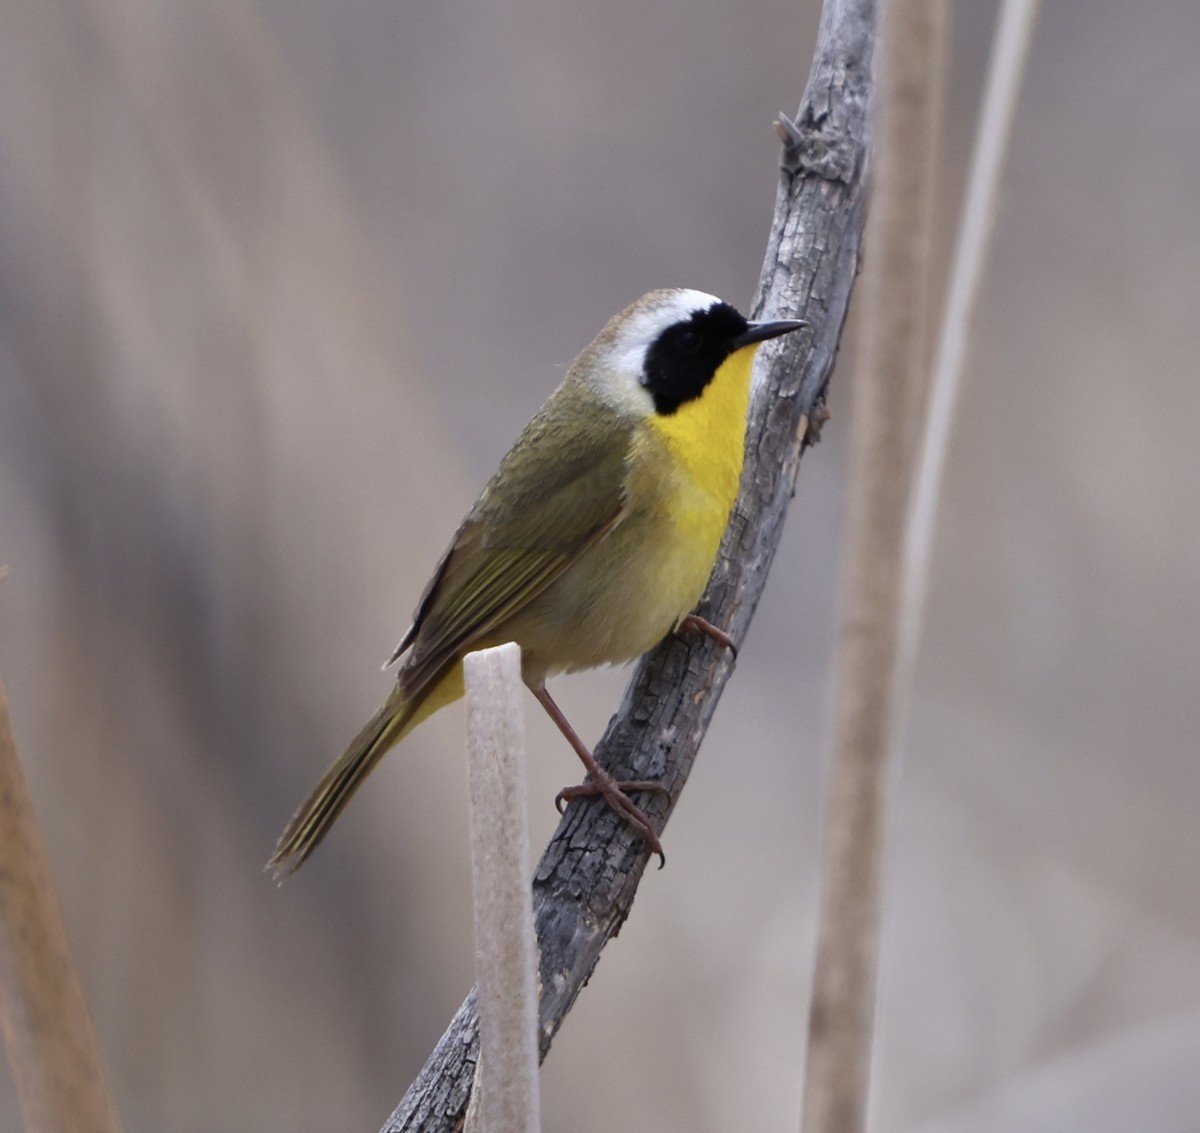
x=760, y=332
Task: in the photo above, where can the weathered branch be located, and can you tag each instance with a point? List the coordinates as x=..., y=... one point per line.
x=585, y=883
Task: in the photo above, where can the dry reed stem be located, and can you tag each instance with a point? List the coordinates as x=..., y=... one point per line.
x=47, y=1032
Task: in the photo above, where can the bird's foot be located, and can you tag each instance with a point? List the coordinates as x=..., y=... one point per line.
x=615, y=792
x=696, y=622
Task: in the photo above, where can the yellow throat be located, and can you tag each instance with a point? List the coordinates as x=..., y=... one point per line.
x=706, y=435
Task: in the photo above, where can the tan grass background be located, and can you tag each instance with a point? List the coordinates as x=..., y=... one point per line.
x=281, y=280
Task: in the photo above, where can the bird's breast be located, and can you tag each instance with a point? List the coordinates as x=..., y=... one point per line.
x=650, y=571
x=634, y=585
x=689, y=518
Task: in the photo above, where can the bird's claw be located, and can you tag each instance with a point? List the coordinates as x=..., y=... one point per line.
x=615, y=792
x=704, y=626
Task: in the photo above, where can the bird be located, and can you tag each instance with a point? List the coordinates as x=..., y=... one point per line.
x=592, y=542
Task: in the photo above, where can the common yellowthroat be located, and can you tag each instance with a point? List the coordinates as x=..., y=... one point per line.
x=594, y=539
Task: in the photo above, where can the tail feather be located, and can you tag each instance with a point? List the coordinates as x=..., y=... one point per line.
x=328, y=799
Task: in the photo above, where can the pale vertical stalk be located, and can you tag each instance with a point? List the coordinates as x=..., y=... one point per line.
x=47, y=1032
x=882, y=606
x=505, y=944
x=1006, y=69
x=887, y=394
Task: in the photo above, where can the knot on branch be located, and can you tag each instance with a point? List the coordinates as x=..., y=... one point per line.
x=817, y=145
x=829, y=137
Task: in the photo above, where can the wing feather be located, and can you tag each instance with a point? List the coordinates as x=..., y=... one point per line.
x=560, y=489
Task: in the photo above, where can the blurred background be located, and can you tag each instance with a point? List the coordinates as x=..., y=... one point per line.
x=281, y=280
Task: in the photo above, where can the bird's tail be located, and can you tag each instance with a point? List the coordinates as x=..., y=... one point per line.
x=311, y=822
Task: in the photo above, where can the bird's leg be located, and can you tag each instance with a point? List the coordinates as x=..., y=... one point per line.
x=695, y=621
x=602, y=783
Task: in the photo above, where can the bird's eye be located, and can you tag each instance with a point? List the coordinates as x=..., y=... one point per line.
x=688, y=340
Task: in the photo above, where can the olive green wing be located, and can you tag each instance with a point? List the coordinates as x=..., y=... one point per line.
x=558, y=491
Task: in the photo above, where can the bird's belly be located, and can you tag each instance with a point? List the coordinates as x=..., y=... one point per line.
x=630, y=590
